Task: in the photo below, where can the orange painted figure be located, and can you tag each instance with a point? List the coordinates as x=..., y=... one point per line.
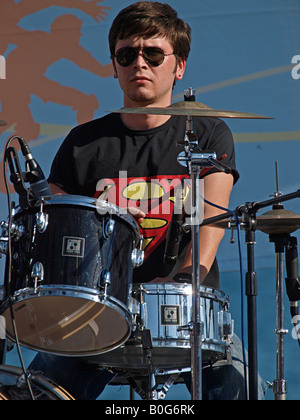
x=35, y=52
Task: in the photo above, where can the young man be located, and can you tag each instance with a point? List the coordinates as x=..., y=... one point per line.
x=149, y=46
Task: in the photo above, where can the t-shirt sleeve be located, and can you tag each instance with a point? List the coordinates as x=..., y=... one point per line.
x=221, y=142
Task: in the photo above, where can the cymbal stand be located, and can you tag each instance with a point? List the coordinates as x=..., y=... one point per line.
x=249, y=225
x=279, y=385
x=248, y=213
x=195, y=160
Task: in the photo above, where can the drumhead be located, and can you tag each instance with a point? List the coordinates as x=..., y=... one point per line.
x=68, y=321
x=14, y=387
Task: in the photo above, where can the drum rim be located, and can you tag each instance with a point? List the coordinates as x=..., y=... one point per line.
x=68, y=291
x=180, y=289
x=42, y=381
x=91, y=203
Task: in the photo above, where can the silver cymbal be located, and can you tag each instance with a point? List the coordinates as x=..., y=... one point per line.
x=273, y=222
x=190, y=108
x=2, y=123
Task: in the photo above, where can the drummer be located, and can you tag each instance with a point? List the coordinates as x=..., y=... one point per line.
x=131, y=160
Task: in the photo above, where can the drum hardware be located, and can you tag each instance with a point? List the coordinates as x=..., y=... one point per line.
x=13, y=386
x=196, y=159
x=162, y=392
x=42, y=219
x=160, y=344
x=292, y=281
x=284, y=223
x=147, y=346
x=37, y=275
x=138, y=254
x=104, y=281
x=17, y=231
x=108, y=228
x=151, y=390
x=225, y=324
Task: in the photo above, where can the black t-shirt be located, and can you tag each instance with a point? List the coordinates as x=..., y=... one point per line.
x=103, y=158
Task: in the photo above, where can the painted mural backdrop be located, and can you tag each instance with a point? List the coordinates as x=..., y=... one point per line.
x=56, y=73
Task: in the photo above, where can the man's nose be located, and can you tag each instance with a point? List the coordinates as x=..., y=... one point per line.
x=140, y=61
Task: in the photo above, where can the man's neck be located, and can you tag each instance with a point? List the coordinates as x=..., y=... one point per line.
x=143, y=122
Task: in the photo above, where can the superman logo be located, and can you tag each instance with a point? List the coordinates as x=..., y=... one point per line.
x=153, y=195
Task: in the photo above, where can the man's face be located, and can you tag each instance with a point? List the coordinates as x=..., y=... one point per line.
x=144, y=84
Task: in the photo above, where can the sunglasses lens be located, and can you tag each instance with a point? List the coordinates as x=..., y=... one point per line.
x=154, y=56
x=126, y=56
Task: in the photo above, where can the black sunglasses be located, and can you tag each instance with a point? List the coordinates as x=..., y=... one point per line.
x=152, y=55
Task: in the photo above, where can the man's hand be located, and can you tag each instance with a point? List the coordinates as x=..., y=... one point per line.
x=137, y=214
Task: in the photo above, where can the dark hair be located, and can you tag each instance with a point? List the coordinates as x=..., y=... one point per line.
x=150, y=19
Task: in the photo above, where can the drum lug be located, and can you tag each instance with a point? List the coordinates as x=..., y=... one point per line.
x=108, y=228
x=138, y=255
x=104, y=281
x=225, y=324
x=41, y=221
x=37, y=274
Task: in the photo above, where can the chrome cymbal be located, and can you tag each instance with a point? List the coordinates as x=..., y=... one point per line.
x=190, y=108
x=279, y=221
x=2, y=123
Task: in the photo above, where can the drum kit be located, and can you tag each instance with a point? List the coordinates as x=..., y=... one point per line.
x=68, y=287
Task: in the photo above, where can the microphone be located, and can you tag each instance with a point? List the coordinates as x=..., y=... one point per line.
x=174, y=233
x=17, y=177
x=39, y=186
x=292, y=280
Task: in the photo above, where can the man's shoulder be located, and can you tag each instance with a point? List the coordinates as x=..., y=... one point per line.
x=109, y=119
x=106, y=126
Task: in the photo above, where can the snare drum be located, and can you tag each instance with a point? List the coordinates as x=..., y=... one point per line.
x=166, y=310
x=13, y=386
x=71, y=276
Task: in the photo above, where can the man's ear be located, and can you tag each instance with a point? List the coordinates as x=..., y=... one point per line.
x=115, y=69
x=180, y=69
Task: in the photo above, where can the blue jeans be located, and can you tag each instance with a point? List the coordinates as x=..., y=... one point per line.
x=227, y=382
x=85, y=380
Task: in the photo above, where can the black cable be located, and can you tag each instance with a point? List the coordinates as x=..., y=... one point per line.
x=8, y=268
